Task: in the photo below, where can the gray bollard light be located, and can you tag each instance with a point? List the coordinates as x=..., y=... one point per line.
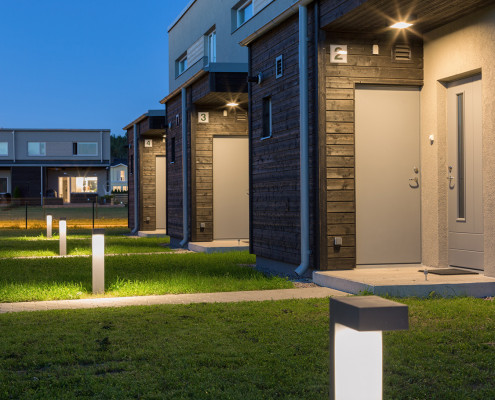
x=356, y=326
x=62, y=231
x=98, y=250
x=49, y=224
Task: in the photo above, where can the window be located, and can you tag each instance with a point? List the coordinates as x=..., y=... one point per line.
x=181, y=64
x=244, y=12
x=122, y=176
x=82, y=184
x=279, y=67
x=36, y=149
x=211, y=47
x=4, y=148
x=267, y=118
x=85, y=148
x=3, y=185
x=172, y=151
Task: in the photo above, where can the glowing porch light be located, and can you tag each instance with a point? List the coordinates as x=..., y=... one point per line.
x=62, y=231
x=401, y=25
x=232, y=104
x=98, y=271
x=49, y=224
x=356, y=325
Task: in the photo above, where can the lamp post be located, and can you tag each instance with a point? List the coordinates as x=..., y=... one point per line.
x=62, y=231
x=98, y=272
x=49, y=222
x=356, y=325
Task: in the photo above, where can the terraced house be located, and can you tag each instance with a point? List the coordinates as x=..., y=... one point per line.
x=371, y=134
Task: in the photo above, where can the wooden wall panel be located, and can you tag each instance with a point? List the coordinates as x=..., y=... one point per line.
x=130, y=158
x=339, y=88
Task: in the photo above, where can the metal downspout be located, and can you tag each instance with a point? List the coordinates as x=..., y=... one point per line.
x=185, y=172
x=304, y=138
x=135, y=167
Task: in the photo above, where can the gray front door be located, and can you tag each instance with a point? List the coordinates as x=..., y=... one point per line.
x=388, y=217
x=464, y=173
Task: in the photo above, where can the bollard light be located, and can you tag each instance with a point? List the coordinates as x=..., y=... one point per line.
x=62, y=232
x=356, y=326
x=98, y=261
x=49, y=221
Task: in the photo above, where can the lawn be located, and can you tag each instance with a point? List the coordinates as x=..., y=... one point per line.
x=29, y=243
x=267, y=350
x=132, y=275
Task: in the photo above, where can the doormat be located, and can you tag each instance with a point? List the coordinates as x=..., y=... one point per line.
x=449, y=271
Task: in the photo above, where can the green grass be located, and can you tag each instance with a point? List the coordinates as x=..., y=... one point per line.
x=268, y=350
x=70, y=278
x=39, y=213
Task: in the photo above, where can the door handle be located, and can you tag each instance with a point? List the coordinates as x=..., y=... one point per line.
x=415, y=180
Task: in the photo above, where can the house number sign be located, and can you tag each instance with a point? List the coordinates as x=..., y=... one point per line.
x=148, y=143
x=338, y=53
x=203, y=117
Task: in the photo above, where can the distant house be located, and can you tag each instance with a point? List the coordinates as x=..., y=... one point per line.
x=146, y=167
x=118, y=176
x=371, y=142
x=42, y=165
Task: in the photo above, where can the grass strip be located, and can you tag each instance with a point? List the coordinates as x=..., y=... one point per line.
x=267, y=350
x=70, y=278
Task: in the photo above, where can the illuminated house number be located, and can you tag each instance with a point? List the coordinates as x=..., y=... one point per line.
x=148, y=143
x=203, y=117
x=338, y=53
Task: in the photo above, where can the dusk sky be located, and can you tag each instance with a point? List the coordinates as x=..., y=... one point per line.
x=92, y=64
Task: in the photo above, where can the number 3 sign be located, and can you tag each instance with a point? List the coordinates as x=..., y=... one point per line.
x=338, y=53
x=203, y=117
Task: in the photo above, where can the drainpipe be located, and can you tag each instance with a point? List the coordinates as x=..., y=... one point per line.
x=304, y=138
x=135, y=167
x=41, y=186
x=185, y=171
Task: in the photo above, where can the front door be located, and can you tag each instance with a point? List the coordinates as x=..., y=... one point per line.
x=388, y=219
x=230, y=188
x=160, y=185
x=464, y=173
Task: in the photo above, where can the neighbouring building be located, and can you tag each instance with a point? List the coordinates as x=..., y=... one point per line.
x=55, y=165
x=146, y=172
x=118, y=176
x=371, y=144
x=207, y=120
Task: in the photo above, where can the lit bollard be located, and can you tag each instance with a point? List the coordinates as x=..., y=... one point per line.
x=49, y=222
x=98, y=261
x=62, y=231
x=356, y=325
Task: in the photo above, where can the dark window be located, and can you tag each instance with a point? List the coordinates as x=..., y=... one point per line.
x=267, y=118
x=172, y=150
x=177, y=120
x=279, y=67
x=74, y=148
x=131, y=164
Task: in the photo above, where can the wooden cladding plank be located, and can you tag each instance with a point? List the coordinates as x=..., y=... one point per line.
x=341, y=263
x=341, y=206
x=340, y=116
x=341, y=218
x=339, y=139
x=340, y=195
x=340, y=150
x=347, y=240
x=339, y=127
x=340, y=94
x=340, y=184
x=340, y=173
x=341, y=229
x=341, y=252
x=340, y=161
x=340, y=105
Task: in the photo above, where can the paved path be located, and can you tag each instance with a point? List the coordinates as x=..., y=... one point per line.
x=222, y=297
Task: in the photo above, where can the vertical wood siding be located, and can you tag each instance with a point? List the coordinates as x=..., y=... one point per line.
x=130, y=178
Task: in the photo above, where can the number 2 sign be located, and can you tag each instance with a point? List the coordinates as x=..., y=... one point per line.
x=338, y=53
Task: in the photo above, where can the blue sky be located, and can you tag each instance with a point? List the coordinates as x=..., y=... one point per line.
x=91, y=64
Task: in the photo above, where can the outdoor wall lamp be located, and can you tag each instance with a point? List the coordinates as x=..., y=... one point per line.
x=406, y=23
x=62, y=232
x=49, y=222
x=232, y=104
x=98, y=271
x=356, y=325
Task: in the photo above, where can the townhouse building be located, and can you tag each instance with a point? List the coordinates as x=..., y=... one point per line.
x=45, y=164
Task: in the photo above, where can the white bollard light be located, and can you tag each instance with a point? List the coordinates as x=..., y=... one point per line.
x=356, y=325
x=49, y=222
x=62, y=231
x=98, y=272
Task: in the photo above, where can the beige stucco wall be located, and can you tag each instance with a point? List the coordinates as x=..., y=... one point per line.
x=461, y=48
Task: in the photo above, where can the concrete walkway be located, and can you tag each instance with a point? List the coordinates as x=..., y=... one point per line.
x=222, y=297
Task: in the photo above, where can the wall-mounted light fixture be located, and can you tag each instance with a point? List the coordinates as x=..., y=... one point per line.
x=356, y=325
x=405, y=23
x=49, y=224
x=232, y=104
x=98, y=251
x=62, y=232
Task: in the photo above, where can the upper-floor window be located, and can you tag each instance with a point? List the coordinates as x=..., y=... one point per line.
x=181, y=64
x=36, y=148
x=267, y=118
x=4, y=148
x=211, y=47
x=122, y=175
x=85, y=148
x=244, y=12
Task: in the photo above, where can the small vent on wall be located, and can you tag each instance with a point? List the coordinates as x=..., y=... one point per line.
x=241, y=116
x=402, y=53
x=279, y=67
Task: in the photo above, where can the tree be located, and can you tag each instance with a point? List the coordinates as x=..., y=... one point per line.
x=118, y=147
